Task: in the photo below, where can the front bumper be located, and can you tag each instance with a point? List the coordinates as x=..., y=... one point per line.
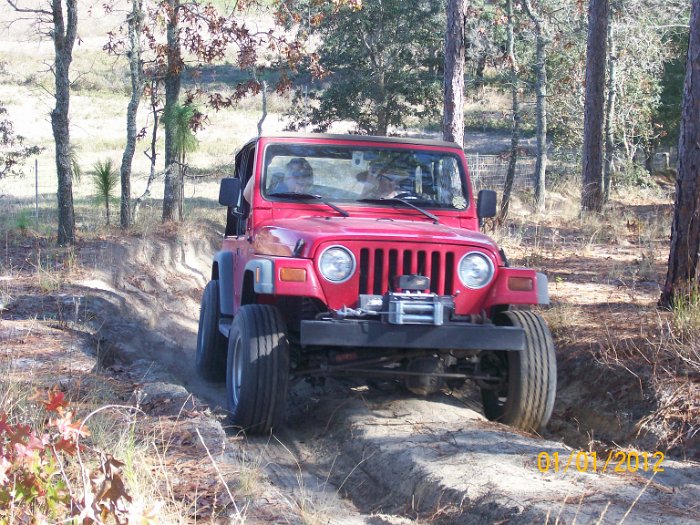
x=376, y=334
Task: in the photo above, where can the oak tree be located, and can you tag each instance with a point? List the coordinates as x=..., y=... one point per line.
x=514, y=82
x=13, y=150
x=453, y=112
x=383, y=63
x=540, y=67
x=58, y=20
x=135, y=22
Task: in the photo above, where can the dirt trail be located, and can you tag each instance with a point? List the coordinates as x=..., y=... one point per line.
x=393, y=458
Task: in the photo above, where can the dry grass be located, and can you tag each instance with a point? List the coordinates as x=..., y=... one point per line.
x=165, y=469
x=165, y=472
x=605, y=273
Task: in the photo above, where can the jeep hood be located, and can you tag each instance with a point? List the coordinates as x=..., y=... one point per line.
x=282, y=236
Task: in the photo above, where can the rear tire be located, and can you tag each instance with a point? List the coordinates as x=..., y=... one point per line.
x=525, y=398
x=257, y=371
x=210, y=359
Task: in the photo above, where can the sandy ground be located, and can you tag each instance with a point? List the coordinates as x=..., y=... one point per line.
x=365, y=452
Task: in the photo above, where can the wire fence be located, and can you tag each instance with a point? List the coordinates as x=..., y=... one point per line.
x=30, y=201
x=489, y=172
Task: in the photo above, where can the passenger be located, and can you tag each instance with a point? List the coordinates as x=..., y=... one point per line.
x=248, y=190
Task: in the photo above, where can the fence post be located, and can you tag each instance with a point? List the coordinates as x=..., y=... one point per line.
x=36, y=191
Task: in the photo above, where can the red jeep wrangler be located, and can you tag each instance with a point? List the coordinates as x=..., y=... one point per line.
x=361, y=256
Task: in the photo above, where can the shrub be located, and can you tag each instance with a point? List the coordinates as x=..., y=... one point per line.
x=105, y=179
x=35, y=484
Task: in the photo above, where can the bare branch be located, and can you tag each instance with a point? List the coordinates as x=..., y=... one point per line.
x=18, y=9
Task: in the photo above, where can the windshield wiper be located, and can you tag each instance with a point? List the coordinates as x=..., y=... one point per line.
x=308, y=196
x=385, y=200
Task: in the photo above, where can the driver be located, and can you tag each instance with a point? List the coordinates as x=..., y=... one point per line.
x=298, y=177
x=388, y=181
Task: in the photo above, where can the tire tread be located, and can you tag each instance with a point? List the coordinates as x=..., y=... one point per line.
x=210, y=361
x=532, y=376
x=264, y=387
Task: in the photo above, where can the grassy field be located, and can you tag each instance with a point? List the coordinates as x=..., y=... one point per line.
x=98, y=106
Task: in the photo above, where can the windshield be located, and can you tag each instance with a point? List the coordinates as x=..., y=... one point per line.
x=351, y=174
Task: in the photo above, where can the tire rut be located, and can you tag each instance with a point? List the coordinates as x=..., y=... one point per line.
x=352, y=453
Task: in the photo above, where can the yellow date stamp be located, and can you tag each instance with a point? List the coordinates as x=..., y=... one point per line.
x=615, y=461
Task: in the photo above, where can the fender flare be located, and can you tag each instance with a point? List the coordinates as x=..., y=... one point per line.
x=263, y=271
x=542, y=289
x=222, y=270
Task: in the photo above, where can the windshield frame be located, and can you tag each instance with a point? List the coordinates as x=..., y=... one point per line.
x=409, y=149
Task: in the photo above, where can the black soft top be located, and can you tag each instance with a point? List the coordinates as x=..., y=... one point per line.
x=361, y=138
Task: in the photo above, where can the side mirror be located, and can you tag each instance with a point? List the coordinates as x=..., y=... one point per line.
x=486, y=204
x=230, y=192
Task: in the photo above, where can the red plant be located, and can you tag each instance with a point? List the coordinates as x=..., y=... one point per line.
x=34, y=485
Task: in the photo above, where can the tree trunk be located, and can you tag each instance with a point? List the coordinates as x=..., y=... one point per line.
x=685, y=231
x=382, y=127
x=649, y=151
x=136, y=71
x=153, y=156
x=64, y=33
x=453, y=113
x=594, y=110
x=263, y=116
x=515, y=130
x=540, y=105
x=173, y=191
x=182, y=169
x=383, y=121
x=610, y=113
x=479, y=72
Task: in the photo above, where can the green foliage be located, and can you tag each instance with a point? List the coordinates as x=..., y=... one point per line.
x=484, y=38
x=668, y=113
x=635, y=176
x=23, y=222
x=383, y=62
x=566, y=64
x=644, y=35
x=76, y=170
x=105, y=180
x=180, y=118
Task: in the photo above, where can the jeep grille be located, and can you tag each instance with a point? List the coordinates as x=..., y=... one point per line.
x=379, y=266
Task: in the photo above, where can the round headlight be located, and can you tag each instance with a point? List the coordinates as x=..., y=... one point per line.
x=336, y=264
x=475, y=270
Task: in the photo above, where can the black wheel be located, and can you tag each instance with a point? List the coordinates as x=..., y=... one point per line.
x=210, y=359
x=257, y=371
x=524, y=397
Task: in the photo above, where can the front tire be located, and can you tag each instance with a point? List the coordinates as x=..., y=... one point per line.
x=257, y=371
x=210, y=359
x=525, y=397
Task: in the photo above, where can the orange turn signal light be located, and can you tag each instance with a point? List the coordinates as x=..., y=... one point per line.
x=520, y=284
x=294, y=275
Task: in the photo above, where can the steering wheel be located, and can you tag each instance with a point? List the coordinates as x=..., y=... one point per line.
x=406, y=195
